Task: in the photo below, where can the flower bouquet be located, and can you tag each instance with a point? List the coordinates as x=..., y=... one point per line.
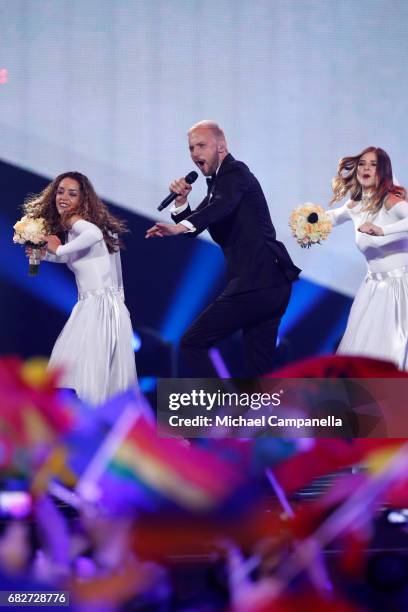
x=31, y=232
x=310, y=224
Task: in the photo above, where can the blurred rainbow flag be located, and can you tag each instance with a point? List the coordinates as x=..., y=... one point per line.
x=163, y=470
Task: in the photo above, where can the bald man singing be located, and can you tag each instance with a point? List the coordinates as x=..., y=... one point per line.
x=260, y=271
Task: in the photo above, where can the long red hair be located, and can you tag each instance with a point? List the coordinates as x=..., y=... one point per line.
x=345, y=182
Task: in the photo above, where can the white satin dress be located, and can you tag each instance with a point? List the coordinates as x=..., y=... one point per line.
x=94, y=349
x=378, y=322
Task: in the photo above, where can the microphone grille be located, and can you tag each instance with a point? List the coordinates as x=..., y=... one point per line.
x=191, y=177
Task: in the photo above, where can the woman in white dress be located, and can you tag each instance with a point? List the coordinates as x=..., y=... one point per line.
x=378, y=322
x=94, y=349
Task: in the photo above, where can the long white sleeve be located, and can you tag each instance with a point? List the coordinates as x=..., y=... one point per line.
x=55, y=258
x=399, y=211
x=88, y=234
x=339, y=215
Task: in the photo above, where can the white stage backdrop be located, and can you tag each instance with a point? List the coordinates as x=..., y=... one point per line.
x=110, y=87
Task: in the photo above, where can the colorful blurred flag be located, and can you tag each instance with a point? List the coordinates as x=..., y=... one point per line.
x=162, y=470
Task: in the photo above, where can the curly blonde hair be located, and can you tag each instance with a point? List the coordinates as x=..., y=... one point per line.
x=91, y=208
x=346, y=181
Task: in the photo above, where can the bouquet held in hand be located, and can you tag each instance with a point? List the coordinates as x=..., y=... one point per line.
x=31, y=232
x=310, y=224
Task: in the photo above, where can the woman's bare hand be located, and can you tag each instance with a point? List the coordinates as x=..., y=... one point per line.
x=371, y=229
x=53, y=242
x=29, y=251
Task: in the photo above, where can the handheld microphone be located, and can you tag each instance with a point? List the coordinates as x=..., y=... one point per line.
x=190, y=178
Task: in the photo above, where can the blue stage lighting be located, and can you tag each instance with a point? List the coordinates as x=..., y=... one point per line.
x=203, y=271
x=328, y=344
x=136, y=342
x=305, y=296
x=51, y=285
x=147, y=383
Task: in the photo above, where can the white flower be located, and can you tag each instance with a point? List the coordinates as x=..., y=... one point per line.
x=304, y=230
x=28, y=229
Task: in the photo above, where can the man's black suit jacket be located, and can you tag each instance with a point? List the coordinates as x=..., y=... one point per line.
x=237, y=217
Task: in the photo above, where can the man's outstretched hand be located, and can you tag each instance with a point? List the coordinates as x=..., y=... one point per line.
x=159, y=230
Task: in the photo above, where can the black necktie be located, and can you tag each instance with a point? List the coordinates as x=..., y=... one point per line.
x=210, y=181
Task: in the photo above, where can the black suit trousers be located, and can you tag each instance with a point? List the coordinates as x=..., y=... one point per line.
x=257, y=313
